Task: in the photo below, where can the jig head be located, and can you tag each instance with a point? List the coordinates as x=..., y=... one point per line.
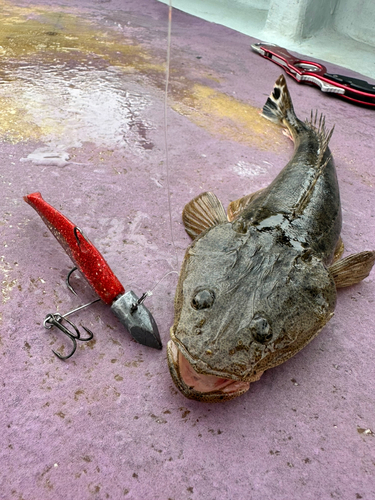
x=130, y=310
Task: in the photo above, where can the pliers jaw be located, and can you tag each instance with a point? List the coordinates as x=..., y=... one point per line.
x=137, y=319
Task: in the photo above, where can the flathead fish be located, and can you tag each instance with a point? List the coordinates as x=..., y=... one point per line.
x=260, y=283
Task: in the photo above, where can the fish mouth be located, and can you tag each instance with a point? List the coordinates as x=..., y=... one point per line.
x=200, y=386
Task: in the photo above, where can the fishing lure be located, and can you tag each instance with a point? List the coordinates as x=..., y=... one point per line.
x=127, y=307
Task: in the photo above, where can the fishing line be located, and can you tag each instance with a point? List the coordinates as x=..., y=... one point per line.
x=167, y=74
x=166, y=144
x=150, y=292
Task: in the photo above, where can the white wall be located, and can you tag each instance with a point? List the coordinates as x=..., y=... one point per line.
x=337, y=31
x=299, y=19
x=256, y=4
x=356, y=19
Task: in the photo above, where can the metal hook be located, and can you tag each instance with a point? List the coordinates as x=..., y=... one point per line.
x=68, y=282
x=56, y=320
x=76, y=231
x=140, y=301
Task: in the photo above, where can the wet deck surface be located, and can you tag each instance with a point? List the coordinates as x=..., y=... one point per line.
x=81, y=121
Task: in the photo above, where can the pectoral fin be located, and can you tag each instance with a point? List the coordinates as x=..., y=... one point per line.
x=352, y=269
x=204, y=211
x=237, y=206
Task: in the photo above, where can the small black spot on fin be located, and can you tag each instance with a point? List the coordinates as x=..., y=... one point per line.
x=279, y=107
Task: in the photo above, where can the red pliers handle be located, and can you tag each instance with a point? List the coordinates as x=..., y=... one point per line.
x=306, y=71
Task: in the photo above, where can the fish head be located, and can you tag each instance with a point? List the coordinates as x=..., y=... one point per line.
x=245, y=303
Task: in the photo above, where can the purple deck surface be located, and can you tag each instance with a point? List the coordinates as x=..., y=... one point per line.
x=81, y=121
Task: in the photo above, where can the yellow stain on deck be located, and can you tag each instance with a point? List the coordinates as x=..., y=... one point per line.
x=229, y=118
x=49, y=31
x=47, y=37
x=50, y=37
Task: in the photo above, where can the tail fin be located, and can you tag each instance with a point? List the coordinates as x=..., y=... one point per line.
x=279, y=107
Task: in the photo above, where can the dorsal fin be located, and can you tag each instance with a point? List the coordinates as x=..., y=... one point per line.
x=204, y=211
x=322, y=133
x=306, y=196
x=321, y=161
x=237, y=206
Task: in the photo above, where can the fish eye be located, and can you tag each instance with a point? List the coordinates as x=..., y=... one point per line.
x=260, y=330
x=203, y=299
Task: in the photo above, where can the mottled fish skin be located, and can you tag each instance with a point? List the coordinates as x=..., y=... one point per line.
x=306, y=193
x=256, y=289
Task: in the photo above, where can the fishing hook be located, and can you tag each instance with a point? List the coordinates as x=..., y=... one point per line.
x=55, y=319
x=77, y=230
x=68, y=282
x=140, y=301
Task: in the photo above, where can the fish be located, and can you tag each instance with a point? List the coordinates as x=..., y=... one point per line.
x=259, y=282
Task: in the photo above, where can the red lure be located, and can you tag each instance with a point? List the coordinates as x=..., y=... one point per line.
x=84, y=255
x=127, y=307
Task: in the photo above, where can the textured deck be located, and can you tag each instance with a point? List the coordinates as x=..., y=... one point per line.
x=81, y=121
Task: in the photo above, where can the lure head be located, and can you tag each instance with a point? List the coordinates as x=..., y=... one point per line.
x=245, y=303
x=137, y=319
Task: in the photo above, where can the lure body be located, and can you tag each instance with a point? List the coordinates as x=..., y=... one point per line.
x=84, y=255
x=130, y=310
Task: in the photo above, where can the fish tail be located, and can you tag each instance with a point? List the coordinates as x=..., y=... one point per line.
x=279, y=108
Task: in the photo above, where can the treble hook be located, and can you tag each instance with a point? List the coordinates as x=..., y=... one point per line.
x=55, y=319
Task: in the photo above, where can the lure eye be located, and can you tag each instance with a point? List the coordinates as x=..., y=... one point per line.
x=203, y=299
x=260, y=330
